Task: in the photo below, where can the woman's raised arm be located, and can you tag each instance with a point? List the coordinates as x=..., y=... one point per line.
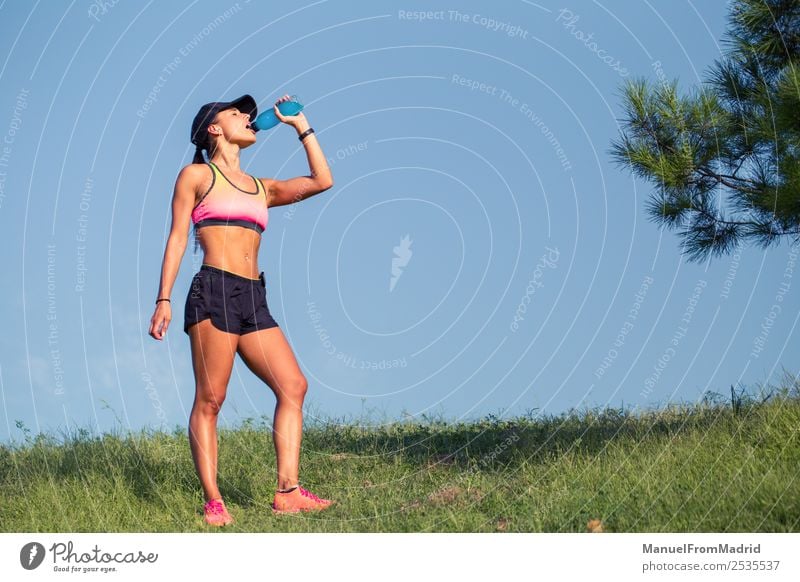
x=281, y=192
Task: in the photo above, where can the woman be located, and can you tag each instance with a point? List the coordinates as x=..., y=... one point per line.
x=226, y=309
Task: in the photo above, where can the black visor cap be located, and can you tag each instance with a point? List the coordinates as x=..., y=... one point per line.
x=204, y=117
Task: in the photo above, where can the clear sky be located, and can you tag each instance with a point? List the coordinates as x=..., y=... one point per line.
x=479, y=252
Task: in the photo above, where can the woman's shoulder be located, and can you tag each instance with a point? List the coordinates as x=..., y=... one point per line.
x=195, y=172
x=196, y=177
x=196, y=168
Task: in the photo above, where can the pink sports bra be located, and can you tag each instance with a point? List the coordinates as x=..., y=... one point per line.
x=232, y=205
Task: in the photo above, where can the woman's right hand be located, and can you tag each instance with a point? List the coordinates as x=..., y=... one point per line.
x=160, y=320
x=293, y=120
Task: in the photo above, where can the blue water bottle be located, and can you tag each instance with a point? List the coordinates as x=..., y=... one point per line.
x=268, y=119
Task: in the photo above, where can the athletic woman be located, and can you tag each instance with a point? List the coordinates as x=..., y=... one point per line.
x=226, y=308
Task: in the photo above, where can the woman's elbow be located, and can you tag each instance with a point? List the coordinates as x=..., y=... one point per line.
x=178, y=241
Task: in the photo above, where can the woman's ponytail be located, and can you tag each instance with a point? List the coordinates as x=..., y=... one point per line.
x=198, y=153
x=198, y=156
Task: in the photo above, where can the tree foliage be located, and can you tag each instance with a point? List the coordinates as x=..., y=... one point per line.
x=725, y=159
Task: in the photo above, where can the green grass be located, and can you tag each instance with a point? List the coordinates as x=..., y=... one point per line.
x=706, y=467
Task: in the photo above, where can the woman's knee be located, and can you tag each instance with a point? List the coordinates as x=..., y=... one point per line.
x=294, y=388
x=209, y=402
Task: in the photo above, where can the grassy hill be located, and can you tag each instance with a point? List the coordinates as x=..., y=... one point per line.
x=713, y=466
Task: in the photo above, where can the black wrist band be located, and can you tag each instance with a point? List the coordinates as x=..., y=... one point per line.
x=157, y=300
x=309, y=131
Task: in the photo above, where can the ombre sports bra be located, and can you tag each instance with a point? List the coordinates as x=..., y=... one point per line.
x=233, y=206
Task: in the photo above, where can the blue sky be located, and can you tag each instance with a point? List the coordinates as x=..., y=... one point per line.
x=479, y=252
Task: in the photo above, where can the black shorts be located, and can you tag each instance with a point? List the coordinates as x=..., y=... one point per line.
x=234, y=303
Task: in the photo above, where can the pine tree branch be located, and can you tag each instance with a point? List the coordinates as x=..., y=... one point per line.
x=724, y=180
x=718, y=220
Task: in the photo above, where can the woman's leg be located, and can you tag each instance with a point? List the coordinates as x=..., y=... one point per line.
x=213, y=351
x=269, y=356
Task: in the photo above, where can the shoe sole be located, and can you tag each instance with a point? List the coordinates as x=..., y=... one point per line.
x=229, y=521
x=282, y=511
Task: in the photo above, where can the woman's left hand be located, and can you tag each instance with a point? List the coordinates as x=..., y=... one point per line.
x=293, y=120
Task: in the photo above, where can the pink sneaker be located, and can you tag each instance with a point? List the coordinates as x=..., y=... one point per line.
x=217, y=513
x=298, y=499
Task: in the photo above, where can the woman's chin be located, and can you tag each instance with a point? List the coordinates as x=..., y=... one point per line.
x=247, y=141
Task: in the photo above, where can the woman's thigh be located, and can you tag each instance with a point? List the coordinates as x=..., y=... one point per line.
x=213, y=351
x=270, y=357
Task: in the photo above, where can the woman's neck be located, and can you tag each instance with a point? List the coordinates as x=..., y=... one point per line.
x=227, y=161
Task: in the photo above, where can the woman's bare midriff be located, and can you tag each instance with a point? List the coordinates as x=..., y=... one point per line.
x=231, y=248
